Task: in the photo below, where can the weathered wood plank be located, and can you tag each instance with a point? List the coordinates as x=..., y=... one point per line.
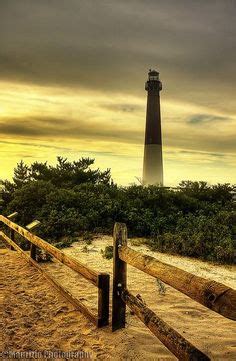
x=30, y=227
x=65, y=293
x=12, y=236
x=214, y=295
x=12, y=216
x=103, y=299
x=33, y=251
x=119, y=277
x=86, y=272
x=176, y=343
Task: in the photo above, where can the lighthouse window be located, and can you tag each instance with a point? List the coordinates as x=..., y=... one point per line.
x=153, y=77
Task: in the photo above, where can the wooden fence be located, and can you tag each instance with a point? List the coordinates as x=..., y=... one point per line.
x=99, y=279
x=211, y=294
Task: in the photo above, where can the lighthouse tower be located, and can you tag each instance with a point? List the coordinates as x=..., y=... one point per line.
x=152, y=162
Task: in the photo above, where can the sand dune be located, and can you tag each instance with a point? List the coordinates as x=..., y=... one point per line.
x=36, y=317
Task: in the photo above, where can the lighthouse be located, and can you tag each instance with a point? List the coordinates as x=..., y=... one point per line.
x=152, y=161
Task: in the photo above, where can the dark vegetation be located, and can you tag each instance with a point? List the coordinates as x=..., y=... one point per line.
x=196, y=220
x=107, y=252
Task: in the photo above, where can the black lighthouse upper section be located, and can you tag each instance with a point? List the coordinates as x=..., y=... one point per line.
x=152, y=160
x=153, y=117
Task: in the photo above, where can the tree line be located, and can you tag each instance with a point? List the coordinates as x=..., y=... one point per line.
x=196, y=219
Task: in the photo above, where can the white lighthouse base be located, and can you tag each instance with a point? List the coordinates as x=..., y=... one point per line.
x=152, y=165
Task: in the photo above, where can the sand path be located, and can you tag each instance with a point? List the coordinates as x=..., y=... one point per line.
x=35, y=317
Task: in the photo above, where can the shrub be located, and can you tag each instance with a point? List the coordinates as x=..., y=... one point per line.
x=199, y=236
x=71, y=198
x=108, y=252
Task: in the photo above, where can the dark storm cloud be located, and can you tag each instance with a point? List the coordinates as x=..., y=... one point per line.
x=51, y=127
x=109, y=45
x=211, y=142
x=205, y=118
x=46, y=128
x=124, y=107
x=219, y=155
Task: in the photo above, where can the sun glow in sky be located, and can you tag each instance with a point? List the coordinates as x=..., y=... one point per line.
x=72, y=84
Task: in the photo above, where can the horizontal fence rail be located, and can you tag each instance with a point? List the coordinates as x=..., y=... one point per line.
x=211, y=294
x=86, y=272
x=214, y=295
x=176, y=343
x=99, y=279
x=66, y=294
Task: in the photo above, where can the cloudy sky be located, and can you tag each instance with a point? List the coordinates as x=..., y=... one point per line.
x=72, y=76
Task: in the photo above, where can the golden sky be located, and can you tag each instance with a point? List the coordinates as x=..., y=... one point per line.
x=72, y=84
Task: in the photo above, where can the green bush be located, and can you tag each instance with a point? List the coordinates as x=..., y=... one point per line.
x=200, y=236
x=72, y=198
x=108, y=252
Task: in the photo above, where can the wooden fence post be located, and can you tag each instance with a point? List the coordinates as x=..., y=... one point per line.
x=12, y=217
x=33, y=251
x=33, y=248
x=12, y=236
x=103, y=299
x=119, y=277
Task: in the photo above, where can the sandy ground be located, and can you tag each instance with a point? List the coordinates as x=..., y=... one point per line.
x=36, y=317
